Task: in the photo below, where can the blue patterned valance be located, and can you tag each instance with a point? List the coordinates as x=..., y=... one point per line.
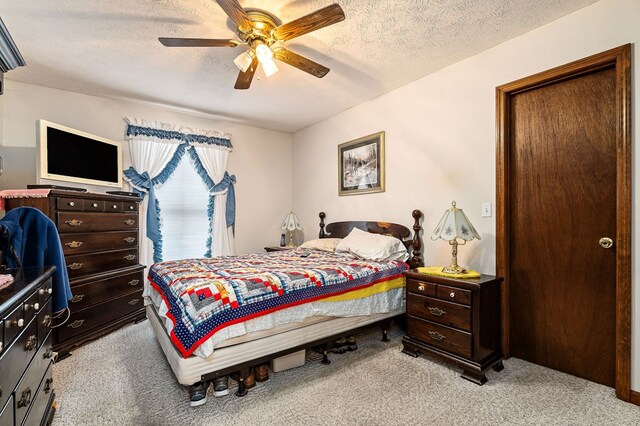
x=133, y=130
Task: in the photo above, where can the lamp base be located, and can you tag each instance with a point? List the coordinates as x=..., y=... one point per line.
x=291, y=245
x=454, y=269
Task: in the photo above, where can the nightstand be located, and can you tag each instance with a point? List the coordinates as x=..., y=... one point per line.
x=278, y=248
x=457, y=320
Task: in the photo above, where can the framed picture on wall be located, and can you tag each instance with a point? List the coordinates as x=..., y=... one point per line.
x=361, y=165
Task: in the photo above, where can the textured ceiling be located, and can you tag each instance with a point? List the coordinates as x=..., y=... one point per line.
x=110, y=48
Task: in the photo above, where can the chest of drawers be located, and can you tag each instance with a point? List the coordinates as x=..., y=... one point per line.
x=456, y=320
x=26, y=385
x=99, y=235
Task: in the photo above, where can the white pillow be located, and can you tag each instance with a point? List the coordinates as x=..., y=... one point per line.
x=373, y=246
x=324, y=244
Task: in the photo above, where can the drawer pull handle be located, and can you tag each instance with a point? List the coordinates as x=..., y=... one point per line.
x=25, y=400
x=115, y=206
x=74, y=244
x=130, y=257
x=75, y=266
x=73, y=222
x=71, y=204
x=47, y=385
x=94, y=205
x=436, y=336
x=134, y=302
x=48, y=353
x=131, y=207
x=129, y=240
x=19, y=323
x=452, y=294
x=77, y=298
x=133, y=282
x=421, y=287
x=46, y=321
x=436, y=311
x=76, y=324
x=31, y=344
x=129, y=222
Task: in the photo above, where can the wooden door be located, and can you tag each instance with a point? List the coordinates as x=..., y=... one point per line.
x=562, y=192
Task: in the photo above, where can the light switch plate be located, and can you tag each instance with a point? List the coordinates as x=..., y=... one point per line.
x=486, y=209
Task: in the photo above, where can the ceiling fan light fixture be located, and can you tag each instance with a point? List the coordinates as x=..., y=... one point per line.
x=263, y=53
x=243, y=61
x=269, y=67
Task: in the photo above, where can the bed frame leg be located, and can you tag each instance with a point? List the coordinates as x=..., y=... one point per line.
x=385, y=327
x=325, y=355
x=242, y=389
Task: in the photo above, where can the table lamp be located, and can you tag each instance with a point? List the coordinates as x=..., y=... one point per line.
x=290, y=224
x=455, y=226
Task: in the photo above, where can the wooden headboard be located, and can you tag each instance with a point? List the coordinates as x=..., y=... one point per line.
x=414, y=245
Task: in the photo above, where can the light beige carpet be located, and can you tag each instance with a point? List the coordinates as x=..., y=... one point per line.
x=123, y=379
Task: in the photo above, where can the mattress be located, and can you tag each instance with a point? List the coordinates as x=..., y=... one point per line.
x=205, y=302
x=190, y=370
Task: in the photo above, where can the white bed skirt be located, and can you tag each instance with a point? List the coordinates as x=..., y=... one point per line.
x=190, y=370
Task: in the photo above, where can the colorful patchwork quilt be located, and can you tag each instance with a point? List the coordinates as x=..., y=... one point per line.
x=205, y=295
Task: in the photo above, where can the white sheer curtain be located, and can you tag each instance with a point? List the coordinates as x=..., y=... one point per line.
x=214, y=160
x=151, y=156
x=184, y=200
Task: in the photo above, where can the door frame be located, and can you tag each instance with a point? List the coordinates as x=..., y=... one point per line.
x=618, y=58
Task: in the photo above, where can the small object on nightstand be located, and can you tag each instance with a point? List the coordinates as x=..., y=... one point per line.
x=276, y=248
x=282, y=241
x=457, y=320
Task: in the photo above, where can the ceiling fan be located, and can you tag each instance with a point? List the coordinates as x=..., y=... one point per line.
x=261, y=32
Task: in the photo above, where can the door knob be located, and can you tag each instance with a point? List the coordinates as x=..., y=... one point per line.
x=606, y=242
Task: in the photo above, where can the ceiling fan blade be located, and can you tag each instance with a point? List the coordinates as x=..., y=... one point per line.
x=197, y=42
x=244, y=78
x=314, y=21
x=236, y=13
x=300, y=62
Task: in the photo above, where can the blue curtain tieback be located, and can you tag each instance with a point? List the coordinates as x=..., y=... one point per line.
x=227, y=183
x=143, y=183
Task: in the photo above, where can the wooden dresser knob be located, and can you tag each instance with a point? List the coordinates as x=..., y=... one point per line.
x=94, y=205
x=452, y=294
x=421, y=287
x=71, y=204
x=131, y=207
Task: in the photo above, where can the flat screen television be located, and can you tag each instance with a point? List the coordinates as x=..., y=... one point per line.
x=71, y=155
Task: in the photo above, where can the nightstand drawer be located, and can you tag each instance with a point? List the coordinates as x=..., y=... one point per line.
x=453, y=294
x=439, y=311
x=421, y=287
x=448, y=339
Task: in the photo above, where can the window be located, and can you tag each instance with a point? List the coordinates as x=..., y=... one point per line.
x=185, y=224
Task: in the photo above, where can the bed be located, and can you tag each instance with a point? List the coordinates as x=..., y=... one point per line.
x=273, y=304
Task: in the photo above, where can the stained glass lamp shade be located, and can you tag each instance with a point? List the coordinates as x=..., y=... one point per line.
x=455, y=228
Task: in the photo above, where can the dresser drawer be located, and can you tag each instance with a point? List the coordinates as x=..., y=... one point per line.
x=93, y=205
x=421, y=287
x=84, y=264
x=451, y=314
x=95, y=292
x=130, y=207
x=90, y=242
x=70, y=204
x=439, y=336
x=91, y=222
x=84, y=320
x=28, y=386
x=6, y=413
x=16, y=358
x=453, y=294
x=41, y=401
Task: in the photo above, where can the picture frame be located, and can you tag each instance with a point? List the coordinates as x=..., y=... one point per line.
x=361, y=165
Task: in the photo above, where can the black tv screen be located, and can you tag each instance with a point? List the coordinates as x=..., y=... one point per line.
x=75, y=156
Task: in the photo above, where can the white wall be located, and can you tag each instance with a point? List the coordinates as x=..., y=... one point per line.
x=440, y=139
x=261, y=159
